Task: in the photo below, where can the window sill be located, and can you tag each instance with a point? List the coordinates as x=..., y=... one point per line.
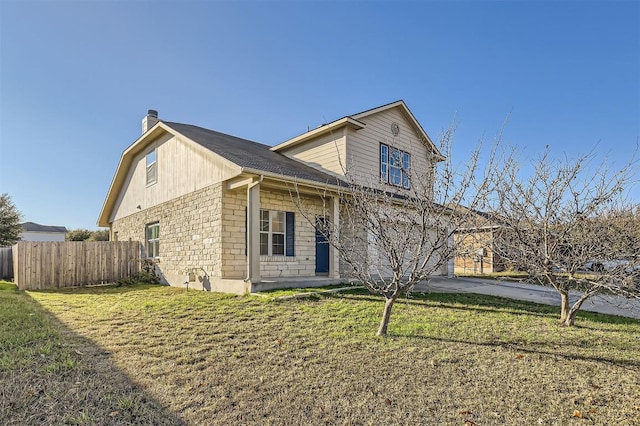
x=393, y=185
x=279, y=258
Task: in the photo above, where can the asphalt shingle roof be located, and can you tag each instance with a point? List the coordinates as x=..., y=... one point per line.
x=252, y=155
x=36, y=227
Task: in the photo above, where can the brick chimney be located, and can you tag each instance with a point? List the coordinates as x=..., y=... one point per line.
x=149, y=120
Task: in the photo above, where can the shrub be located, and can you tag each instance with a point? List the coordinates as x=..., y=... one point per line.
x=140, y=277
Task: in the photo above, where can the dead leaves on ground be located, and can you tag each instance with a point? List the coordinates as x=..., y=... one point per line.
x=580, y=415
x=467, y=422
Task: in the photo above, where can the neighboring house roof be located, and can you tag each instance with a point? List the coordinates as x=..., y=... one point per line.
x=36, y=227
x=251, y=156
x=478, y=220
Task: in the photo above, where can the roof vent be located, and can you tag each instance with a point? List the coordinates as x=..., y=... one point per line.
x=149, y=120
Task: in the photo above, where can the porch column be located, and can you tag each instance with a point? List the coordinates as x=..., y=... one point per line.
x=451, y=251
x=334, y=255
x=253, y=232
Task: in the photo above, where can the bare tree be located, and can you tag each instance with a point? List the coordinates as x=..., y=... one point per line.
x=567, y=216
x=391, y=238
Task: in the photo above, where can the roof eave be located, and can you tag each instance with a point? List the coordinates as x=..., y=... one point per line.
x=125, y=162
x=407, y=112
x=293, y=179
x=319, y=131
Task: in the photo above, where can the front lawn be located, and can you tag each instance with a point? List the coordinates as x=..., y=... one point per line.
x=162, y=355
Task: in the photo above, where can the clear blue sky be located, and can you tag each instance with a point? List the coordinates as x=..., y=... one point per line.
x=77, y=77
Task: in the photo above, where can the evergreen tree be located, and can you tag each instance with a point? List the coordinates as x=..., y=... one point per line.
x=10, y=228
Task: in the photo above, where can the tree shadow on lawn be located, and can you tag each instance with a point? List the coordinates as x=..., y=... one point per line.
x=99, y=289
x=487, y=304
x=525, y=348
x=494, y=304
x=67, y=378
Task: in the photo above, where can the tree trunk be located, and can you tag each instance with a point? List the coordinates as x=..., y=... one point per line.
x=388, y=304
x=570, y=319
x=564, y=306
x=571, y=315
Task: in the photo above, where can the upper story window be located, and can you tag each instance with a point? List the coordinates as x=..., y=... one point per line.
x=152, y=166
x=395, y=166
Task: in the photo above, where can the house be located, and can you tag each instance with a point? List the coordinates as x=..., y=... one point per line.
x=36, y=232
x=477, y=244
x=216, y=211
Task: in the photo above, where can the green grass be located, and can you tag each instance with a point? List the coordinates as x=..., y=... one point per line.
x=162, y=355
x=27, y=334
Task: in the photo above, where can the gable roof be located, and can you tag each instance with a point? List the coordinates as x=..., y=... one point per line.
x=36, y=227
x=355, y=121
x=251, y=156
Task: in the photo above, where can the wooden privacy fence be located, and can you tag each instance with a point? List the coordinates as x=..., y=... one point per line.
x=42, y=265
x=6, y=263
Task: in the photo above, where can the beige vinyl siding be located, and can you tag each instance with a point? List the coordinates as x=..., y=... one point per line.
x=182, y=167
x=363, y=146
x=326, y=153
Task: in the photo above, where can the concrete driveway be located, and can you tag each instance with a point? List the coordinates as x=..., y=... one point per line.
x=606, y=304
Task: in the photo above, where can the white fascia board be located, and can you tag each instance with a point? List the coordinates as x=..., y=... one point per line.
x=294, y=180
x=319, y=131
x=407, y=112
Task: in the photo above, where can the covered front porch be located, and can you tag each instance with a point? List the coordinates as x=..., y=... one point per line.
x=283, y=246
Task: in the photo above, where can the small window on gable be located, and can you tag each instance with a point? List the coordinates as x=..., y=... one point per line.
x=152, y=167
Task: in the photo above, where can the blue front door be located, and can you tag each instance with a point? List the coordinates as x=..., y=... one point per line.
x=322, y=246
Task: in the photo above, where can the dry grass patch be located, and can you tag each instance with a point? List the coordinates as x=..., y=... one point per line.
x=451, y=358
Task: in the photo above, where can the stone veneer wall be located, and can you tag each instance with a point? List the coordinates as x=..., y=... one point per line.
x=190, y=235
x=234, y=265
x=204, y=232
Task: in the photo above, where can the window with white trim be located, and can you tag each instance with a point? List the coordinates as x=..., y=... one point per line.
x=276, y=233
x=395, y=166
x=152, y=166
x=152, y=232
